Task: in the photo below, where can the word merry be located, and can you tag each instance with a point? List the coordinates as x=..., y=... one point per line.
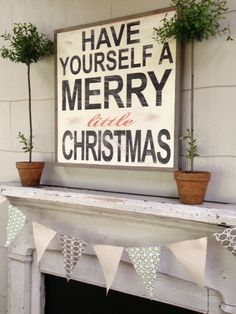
x=135, y=84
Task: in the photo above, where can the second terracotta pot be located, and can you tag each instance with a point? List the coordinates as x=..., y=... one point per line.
x=192, y=186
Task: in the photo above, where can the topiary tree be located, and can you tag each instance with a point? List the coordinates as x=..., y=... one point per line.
x=26, y=45
x=194, y=21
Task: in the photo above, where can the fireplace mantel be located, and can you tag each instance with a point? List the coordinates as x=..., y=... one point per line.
x=126, y=220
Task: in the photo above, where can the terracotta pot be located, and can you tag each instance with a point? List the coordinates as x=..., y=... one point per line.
x=30, y=172
x=192, y=186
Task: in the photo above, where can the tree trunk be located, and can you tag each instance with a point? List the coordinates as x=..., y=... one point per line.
x=30, y=115
x=192, y=104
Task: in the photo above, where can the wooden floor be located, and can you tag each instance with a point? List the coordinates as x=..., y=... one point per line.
x=80, y=298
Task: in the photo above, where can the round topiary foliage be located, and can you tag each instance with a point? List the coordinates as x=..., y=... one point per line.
x=195, y=20
x=26, y=45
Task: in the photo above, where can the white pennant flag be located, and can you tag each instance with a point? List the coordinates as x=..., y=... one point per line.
x=192, y=254
x=72, y=250
x=42, y=237
x=109, y=259
x=16, y=221
x=146, y=262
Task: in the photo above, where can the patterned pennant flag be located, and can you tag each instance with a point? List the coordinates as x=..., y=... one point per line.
x=228, y=239
x=42, y=237
x=192, y=254
x=109, y=259
x=16, y=221
x=72, y=250
x=146, y=261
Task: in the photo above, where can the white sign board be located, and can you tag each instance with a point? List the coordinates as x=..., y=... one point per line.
x=116, y=90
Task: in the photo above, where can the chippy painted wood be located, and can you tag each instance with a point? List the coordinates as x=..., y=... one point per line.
x=211, y=213
x=127, y=220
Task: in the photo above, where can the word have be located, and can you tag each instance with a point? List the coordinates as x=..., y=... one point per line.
x=91, y=40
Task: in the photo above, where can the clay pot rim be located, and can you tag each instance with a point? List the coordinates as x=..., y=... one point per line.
x=192, y=176
x=191, y=172
x=29, y=162
x=32, y=164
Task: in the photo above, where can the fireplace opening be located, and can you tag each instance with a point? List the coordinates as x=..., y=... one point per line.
x=75, y=297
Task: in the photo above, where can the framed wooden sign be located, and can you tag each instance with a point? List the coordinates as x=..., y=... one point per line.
x=116, y=102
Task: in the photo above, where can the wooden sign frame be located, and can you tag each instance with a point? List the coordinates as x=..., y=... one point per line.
x=117, y=94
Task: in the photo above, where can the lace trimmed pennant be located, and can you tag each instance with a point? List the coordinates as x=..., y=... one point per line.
x=146, y=262
x=72, y=250
x=16, y=221
x=227, y=238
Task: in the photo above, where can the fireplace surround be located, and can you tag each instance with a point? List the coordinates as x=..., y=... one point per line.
x=125, y=220
x=74, y=297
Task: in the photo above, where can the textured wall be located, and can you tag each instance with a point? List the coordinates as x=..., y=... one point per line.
x=215, y=107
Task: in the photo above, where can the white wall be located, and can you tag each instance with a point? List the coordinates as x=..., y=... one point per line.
x=215, y=106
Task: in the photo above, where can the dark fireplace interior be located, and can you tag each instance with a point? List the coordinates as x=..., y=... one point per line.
x=77, y=297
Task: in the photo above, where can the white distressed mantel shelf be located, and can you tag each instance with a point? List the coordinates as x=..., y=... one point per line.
x=211, y=213
x=126, y=220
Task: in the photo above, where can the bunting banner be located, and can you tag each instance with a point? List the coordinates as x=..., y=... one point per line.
x=228, y=239
x=109, y=259
x=72, y=250
x=146, y=262
x=192, y=254
x=16, y=221
x=42, y=237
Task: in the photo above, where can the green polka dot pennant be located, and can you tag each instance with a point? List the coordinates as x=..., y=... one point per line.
x=146, y=262
x=72, y=250
x=16, y=221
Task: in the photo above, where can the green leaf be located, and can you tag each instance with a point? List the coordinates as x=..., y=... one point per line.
x=196, y=20
x=25, y=141
x=26, y=45
x=192, y=147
